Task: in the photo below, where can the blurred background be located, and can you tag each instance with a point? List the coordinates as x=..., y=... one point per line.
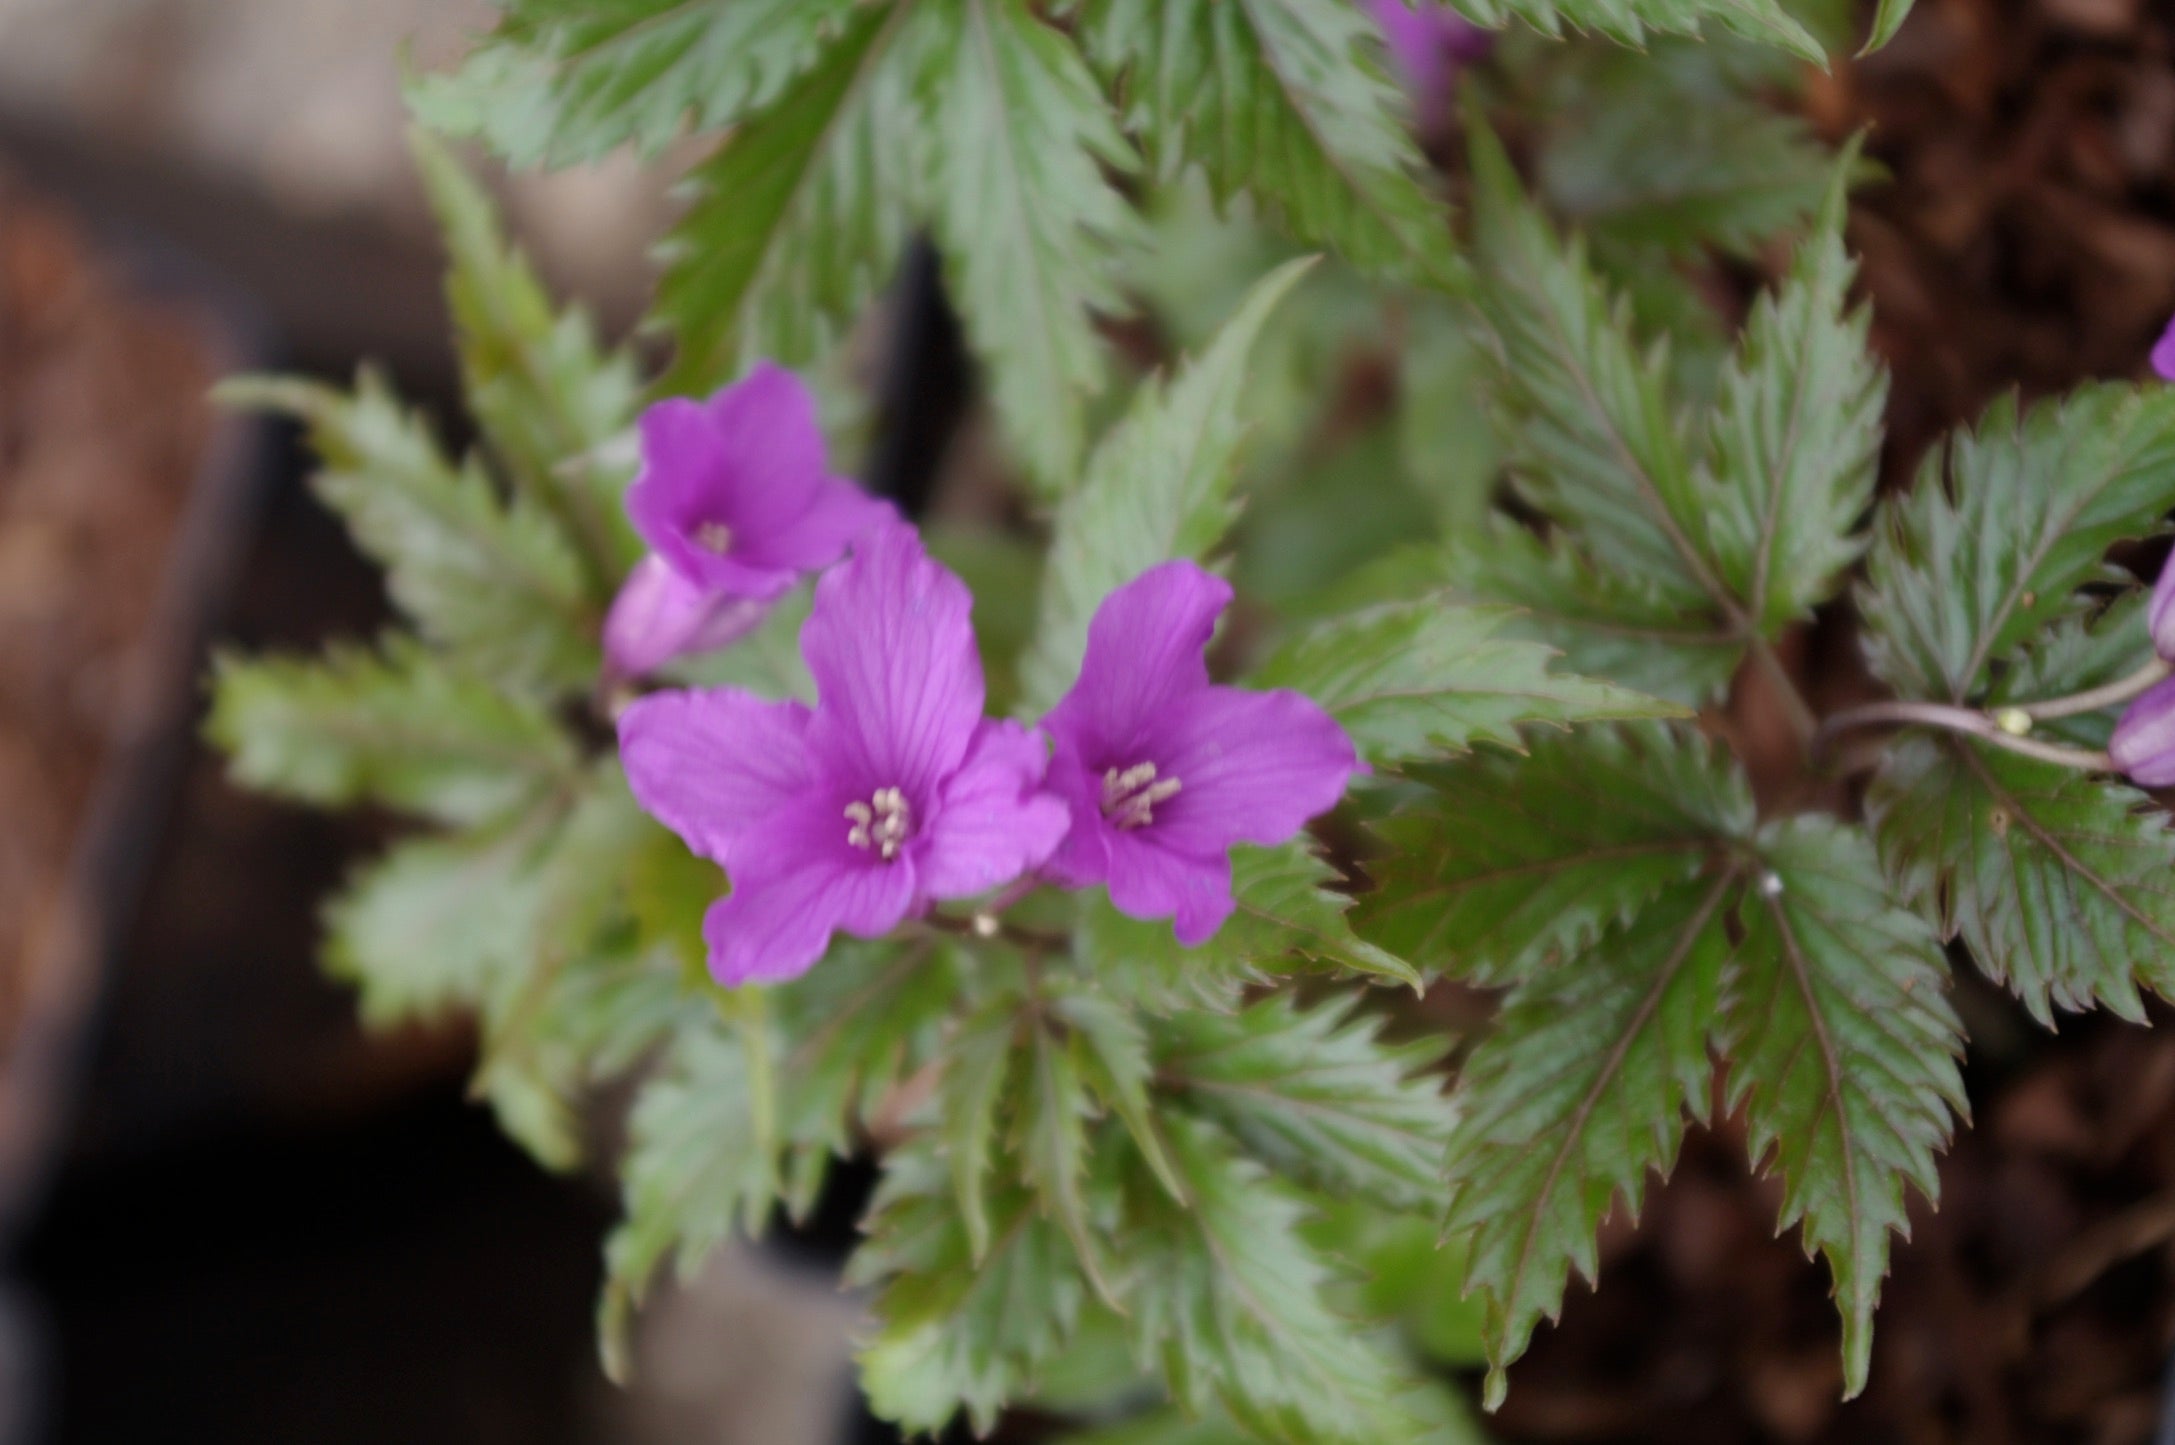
x=228, y=1216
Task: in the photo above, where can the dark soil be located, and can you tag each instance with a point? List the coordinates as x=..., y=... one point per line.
x=103, y=427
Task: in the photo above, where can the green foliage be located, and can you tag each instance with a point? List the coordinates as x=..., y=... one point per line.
x=1505, y=868
x=1315, y=1094
x=547, y=397
x=1664, y=153
x=495, y=582
x=1675, y=555
x=1629, y=21
x=433, y=924
x=1582, y=1088
x=2056, y=881
x=1019, y=139
x=956, y=1328
x=2007, y=520
x=798, y=217
x=561, y=81
x=1842, y=1050
x=1226, y=1298
x=1157, y=487
x=1281, y=100
x=1635, y=633
x=1286, y=912
x=1797, y=430
x=394, y=727
x=1414, y=678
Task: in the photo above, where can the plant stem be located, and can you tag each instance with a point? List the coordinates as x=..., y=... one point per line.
x=2093, y=699
x=1962, y=720
x=1794, y=707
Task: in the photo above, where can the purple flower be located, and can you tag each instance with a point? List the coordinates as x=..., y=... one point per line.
x=2163, y=354
x=2160, y=613
x=1429, y=44
x=891, y=792
x=1165, y=770
x=736, y=503
x=2143, y=745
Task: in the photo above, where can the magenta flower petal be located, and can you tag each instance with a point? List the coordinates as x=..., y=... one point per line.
x=2160, y=613
x=2163, y=354
x=1165, y=771
x=1151, y=881
x=2143, y=745
x=995, y=821
x=1147, y=652
x=892, y=792
x=775, y=925
x=735, y=497
x=1429, y=43
x=1255, y=766
x=659, y=615
x=891, y=645
x=715, y=765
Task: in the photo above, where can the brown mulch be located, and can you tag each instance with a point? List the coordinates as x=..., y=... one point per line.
x=102, y=427
x=2026, y=242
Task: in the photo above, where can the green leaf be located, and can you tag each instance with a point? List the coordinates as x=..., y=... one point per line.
x=1050, y=1138
x=1316, y=1095
x=2004, y=523
x=1227, y=1298
x=955, y=1330
x=2091, y=648
x=433, y=924
x=1634, y=633
x=1797, y=433
x=1115, y=1062
x=857, y=1026
x=1842, y=1053
x=1505, y=866
x=1285, y=909
x=801, y=213
x=978, y=1066
x=1628, y=21
x=545, y=394
x=392, y=727
x=2060, y=883
x=584, y=1001
x=1157, y=487
x=1582, y=1088
x=1428, y=676
x=1666, y=152
x=1595, y=442
x=496, y=583
x=1282, y=100
x=1887, y=20
x=695, y=1170
x=564, y=81
x=1020, y=136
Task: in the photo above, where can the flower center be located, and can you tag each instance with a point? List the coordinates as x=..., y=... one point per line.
x=880, y=824
x=1130, y=795
x=714, y=537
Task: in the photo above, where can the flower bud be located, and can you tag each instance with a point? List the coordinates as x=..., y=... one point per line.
x=2160, y=613
x=2143, y=746
x=659, y=615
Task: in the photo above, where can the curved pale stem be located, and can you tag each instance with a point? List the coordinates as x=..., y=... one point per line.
x=1969, y=721
x=2093, y=699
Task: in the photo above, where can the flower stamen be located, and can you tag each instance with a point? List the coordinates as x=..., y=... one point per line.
x=714, y=537
x=1130, y=795
x=880, y=824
